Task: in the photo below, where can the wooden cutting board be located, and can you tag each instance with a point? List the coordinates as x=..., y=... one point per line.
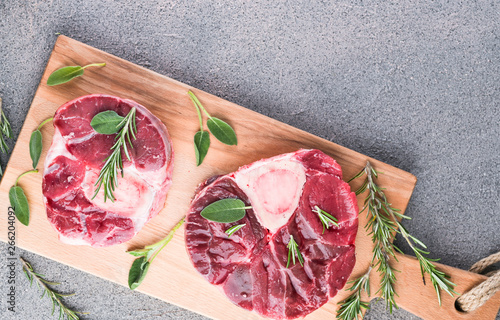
x=258, y=136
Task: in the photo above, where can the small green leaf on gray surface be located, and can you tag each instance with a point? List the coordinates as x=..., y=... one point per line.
x=137, y=272
x=225, y=210
x=201, y=145
x=19, y=202
x=106, y=122
x=68, y=73
x=233, y=229
x=35, y=147
x=222, y=131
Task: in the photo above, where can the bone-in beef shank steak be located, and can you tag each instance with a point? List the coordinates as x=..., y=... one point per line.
x=75, y=159
x=250, y=266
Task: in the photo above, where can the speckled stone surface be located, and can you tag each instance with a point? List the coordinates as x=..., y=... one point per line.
x=415, y=84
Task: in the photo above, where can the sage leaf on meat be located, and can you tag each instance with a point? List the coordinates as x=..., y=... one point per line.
x=201, y=145
x=36, y=144
x=222, y=131
x=35, y=147
x=19, y=202
x=68, y=73
x=140, y=266
x=225, y=210
x=138, y=272
x=233, y=229
x=106, y=122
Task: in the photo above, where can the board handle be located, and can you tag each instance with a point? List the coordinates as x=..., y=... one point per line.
x=421, y=299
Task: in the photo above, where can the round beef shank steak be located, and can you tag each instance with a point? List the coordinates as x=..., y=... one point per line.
x=75, y=159
x=250, y=267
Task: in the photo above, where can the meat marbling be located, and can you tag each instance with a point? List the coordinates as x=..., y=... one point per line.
x=72, y=166
x=250, y=266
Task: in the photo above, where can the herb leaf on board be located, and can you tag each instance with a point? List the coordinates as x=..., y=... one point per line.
x=36, y=143
x=222, y=131
x=35, y=147
x=137, y=272
x=140, y=266
x=225, y=210
x=68, y=73
x=19, y=202
x=201, y=145
x=106, y=122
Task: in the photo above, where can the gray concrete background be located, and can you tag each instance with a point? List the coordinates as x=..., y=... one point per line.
x=415, y=84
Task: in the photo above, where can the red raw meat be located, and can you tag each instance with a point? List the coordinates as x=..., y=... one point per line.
x=250, y=266
x=75, y=159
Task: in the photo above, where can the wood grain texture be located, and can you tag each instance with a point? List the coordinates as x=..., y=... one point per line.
x=172, y=277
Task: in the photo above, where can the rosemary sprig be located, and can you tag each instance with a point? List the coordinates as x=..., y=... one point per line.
x=293, y=251
x=108, y=177
x=383, y=224
x=352, y=307
x=326, y=218
x=55, y=297
x=5, y=132
x=438, y=278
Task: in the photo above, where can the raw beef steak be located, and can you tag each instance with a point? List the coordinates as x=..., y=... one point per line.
x=74, y=161
x=250, y=266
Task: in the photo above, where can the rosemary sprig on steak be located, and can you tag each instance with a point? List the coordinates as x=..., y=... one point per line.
x=55, y=297
x=108, y=177
x=326, y=218
x=383, y=224
x=293, y=251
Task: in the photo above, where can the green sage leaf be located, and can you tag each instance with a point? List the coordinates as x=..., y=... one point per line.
x=139, y=252
x=19, y=202
x=222, y=131
x=201, y=145
x=106, y=122
x=64, y=75
x=35, y=147
x=225, y=211
x=137, y=272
